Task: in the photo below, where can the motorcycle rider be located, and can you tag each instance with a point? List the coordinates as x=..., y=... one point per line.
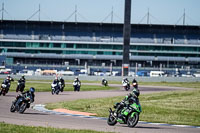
x=135, y=83
x=125, y=80
x=104, y=82
x=62, y=81
x=128, y=100
x=22, y=81
x=77, y=84
x=30, y=93
x=7, y=82
x=56, y=81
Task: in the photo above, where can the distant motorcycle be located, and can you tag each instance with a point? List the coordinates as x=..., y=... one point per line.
x=21, y=103
x=126, y=86
x=62, y=86
x=3, y=89
x=20, y=86
x=127, y=115
x=55, y=89
x=135, y=85
x=76, y=85
x=105, y=83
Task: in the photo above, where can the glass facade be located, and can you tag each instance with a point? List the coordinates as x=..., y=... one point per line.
x=99, y=49
x=98, y=43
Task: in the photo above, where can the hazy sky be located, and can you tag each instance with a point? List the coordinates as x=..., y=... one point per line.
x=161, y=11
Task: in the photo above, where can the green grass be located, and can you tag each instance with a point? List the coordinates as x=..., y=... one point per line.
x=43, y=87
x=10, y=128
x=173, y=84
x=177, y=107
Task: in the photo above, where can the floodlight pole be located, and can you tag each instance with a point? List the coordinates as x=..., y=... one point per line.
x=2, y=11
x=126, y=36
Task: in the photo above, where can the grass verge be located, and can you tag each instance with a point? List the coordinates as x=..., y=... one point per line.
x=45, y=87
x=177, y=107
x=10, y=128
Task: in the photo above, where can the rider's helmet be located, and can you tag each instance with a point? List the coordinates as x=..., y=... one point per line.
x=56, y=78
x=23, y=76
x=8, y=77
x=32, y=90
x=136, y=92
x=60, y=77
x=134, y=80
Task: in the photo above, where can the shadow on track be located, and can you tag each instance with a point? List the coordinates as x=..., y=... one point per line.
x=35, y=113
x=144, y=127
x=10, y=96
x=63, y=94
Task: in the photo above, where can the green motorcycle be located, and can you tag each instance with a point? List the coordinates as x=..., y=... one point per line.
x=128, y=114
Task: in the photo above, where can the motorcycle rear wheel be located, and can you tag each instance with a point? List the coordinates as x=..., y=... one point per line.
x=132, y=121
x=111, y=120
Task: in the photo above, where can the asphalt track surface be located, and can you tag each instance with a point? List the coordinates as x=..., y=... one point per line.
x=35, y=118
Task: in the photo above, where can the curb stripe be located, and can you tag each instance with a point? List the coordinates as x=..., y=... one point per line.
x=40, y=107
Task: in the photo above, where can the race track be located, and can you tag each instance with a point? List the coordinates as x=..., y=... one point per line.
x=36, y=118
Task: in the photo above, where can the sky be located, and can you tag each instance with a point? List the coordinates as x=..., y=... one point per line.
x=161, y=11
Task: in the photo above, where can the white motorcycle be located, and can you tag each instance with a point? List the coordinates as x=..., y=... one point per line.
x=55, y=89
x=126, y=85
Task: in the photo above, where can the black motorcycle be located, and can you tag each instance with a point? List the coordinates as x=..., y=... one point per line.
x=21, y=103
x=20, y=86
x=76, y=85
x=105, y=83
x=62, y=86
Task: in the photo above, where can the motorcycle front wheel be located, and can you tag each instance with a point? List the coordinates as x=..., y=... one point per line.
x=52, y=91
x=111, y=120
x=132, y=121
x=22, y=108
x=12, y=108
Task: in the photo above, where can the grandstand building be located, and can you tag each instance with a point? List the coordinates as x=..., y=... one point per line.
x=97, y=44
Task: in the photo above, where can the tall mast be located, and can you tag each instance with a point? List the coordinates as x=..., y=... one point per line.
x=126, y=36
x=2, y=11
x=76, y=13
x=148, y=16
x=184, y=17
x=39, y=13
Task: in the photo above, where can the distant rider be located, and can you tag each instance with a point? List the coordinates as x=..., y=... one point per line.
x=125, y=80
x=62, y=81
x=56, y=81
x=7, y=82
x=22, y=82
x=77, y=84
x=135, y=83
x=104, y=82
